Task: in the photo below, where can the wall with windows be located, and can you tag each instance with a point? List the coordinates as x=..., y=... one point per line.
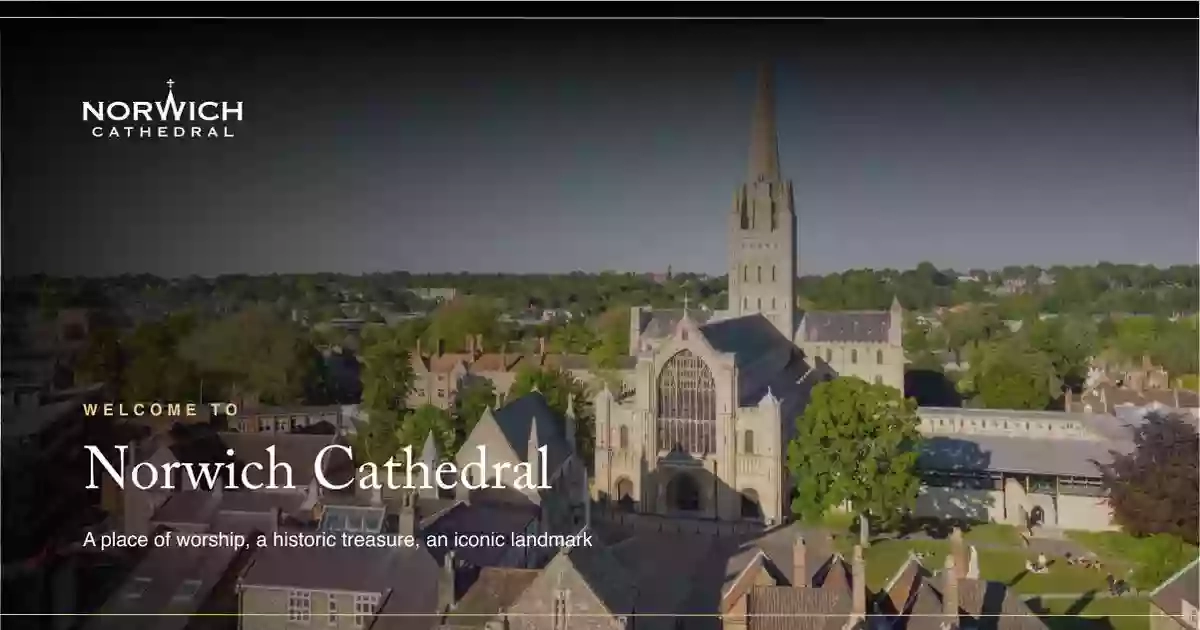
x=878, y=363
x=282, y=608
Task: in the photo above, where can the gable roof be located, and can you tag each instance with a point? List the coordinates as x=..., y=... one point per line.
x=662, y=322
x=845, y=326
x=789, y=608
x=492, y=593
x=1181, y=587
x=747, y=338
x=518, y=416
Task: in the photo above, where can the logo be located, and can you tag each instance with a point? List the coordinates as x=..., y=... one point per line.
x=162, y=119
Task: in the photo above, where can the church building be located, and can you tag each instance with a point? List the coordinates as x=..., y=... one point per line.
x=704, y=430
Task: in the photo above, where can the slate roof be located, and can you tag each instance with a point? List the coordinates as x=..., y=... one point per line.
x=480, y=518
x=353, y=569
x=1181, y=587
x=159, y=583
x=661, y=323
x=978, y=453
x=788, y=608
x=846, y=326
x=515, y=419
x=914, y=600
x=494, y=591
x=748, y=337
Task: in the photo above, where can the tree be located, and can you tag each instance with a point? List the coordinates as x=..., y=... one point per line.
x=612, y=335
x=476, y=396
x=101, y=360
x=561, y=390
x=378, y=439
x=1152, y=490
x=153, y=368
x=419, y=423
x=573, y=338
x=387, y=374
x=1009, y=374
x=461, y=317
x=260, y=352
x=856, y=442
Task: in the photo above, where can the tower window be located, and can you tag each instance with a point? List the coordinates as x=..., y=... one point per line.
x=879, y=357
x=829, y=355
x=772, y=273
x=748, y=442
x=624, y=437
x=746, y=303
x=878, y=380
x=760, y=304
x=746, y=273
x=760, y=274
x=854, y=356
x=772, y=304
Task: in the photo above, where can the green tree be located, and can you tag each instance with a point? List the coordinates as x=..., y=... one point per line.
x=561, y=391
x=153, y=368
x=378, y=439
x=387, y=374
x=612, y=334
x=572, y=338
x=419, y=423
x=1009, y=374
x=476, y=396
x=452, y=322
x=259, y=352
x=101, y=360
x=856, y=442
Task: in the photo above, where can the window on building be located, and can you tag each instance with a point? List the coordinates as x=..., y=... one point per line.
x=854, y=356
x=828, y=355
x=187, y=591
x=760, y=304
x=364, y=608
x=772, y=304
x=746, y=303
x=772, y=273
x=879, y=357
x=760, y=274
x=878, y=380
x=624, y=436
x=441, y=393
x=748, y=442
x=746, y=273
x=333, y=610
x=299, y=606
x=138, y=587
x=560, y=610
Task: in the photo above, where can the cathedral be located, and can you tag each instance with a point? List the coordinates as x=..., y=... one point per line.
x=703, y=428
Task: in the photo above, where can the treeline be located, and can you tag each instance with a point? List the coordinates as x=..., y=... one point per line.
x=1015, y=291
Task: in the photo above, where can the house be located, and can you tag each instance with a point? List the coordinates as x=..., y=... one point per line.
x=289, y=419
x=1174, y=604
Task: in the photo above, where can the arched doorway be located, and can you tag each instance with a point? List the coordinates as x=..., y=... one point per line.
x=750, y=505
x=625, y=494
x=683, y=493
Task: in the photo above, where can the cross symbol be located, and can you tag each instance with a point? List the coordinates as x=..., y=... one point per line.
x=170, y=83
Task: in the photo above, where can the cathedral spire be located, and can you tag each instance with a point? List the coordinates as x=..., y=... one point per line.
x=764, y=142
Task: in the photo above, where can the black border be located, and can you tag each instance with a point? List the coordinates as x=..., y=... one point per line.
x=1179, y=9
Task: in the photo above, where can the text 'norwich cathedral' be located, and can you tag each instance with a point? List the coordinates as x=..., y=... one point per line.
x=705, y=430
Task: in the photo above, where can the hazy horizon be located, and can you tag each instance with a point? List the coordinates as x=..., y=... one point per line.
x=544, y=147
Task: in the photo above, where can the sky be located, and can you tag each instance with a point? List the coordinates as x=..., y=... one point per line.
x=508, y=146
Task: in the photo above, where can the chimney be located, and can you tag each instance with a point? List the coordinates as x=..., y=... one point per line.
x=441, y=347
x=858, y=583
x=571, y=421
x=471, y=345
x=447, y=582
x=799, y=562
x=479, y=343
x=1067, y=400
x=376, y=496
x=1104, y=398
x=276, y=518
x=419, y=346
x=959, y=551
x=541, y=351
x=533, y=455
x=408, y=514
x=950, y=592
x=1176, y=392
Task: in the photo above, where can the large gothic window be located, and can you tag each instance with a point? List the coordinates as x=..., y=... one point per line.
x=687, y=405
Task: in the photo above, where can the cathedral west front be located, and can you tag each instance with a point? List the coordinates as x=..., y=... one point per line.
x=713, y=400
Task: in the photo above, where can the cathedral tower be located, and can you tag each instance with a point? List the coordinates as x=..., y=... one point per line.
x=762, y=226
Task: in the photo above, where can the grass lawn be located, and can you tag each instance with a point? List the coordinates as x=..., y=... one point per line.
x=885, y=557
x=994, y=534
x=1118, y=613
x=1153, y=559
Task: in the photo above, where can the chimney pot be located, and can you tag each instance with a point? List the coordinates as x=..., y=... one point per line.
x=859, y=583
x=950, y=590
x=799, y=562
x=541, y=346
x=441, y=347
